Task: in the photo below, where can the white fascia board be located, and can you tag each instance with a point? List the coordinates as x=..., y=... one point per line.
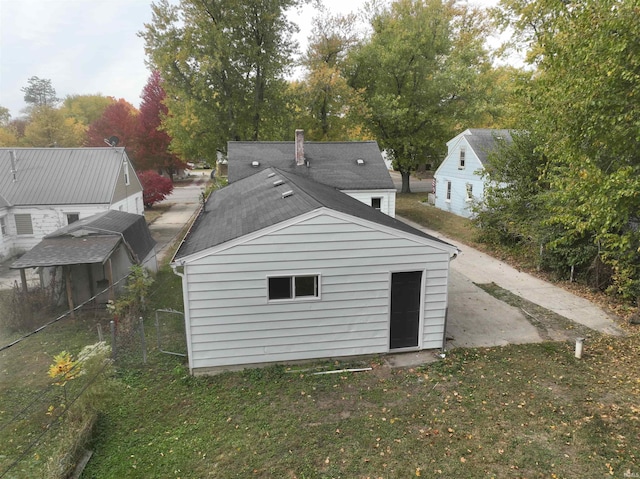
x=370, y=190
x=323, y=211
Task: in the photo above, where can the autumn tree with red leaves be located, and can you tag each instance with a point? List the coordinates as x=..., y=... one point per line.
x=155, y=187
x=153, y=146
x=118, y=119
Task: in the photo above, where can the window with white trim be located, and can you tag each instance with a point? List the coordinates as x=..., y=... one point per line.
x=469, y=192
x=3, y=226
x=448, y=191
x=376, y=203
x=293, y=287
x=72, y=217
x=463, y=153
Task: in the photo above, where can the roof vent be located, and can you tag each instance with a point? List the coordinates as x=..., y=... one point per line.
x=255, y=164
x=278, y=182
x=360, y=161
x=271, y=175
x=286, y=194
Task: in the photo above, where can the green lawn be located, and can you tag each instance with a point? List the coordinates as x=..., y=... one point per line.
x=518, y=411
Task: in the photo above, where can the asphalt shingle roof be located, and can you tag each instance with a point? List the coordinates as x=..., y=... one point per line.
x=59, y=176
x=330, y=163
x=90, y=240
x=485, y=140
x=254, y=203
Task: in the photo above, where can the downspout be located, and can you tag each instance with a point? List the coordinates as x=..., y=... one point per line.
x=185, y=302
x=446, y=311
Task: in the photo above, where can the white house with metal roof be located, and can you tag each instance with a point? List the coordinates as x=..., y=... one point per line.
x=44, y=189
x=280, y=268
x=459, y=180
x=356, y=168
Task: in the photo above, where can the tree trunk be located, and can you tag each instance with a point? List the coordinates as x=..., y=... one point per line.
x=406, y=188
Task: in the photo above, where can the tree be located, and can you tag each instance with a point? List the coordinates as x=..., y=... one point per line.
x=155, y=187
x=583, y=106
x=49, y=128
x=153, y=142
x=85, y=109
x=223, y=64
x=418, y=75
x=119, y=119
x=5, y=116
x=39, y=92
x=324, y=98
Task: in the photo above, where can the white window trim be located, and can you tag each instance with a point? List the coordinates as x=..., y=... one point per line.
x=3, y=226
x=449, y=191
x=469, y=192
x=377, y=198
x=127, y=181
x=462, y=160
x=295, y=299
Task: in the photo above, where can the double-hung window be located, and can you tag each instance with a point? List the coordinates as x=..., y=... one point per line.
x=448, y=191
x=463, y=153
x=293, y=287
x=469, y=192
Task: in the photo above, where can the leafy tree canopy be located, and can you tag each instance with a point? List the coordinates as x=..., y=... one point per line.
x=418, y=75
x=39, y=92
x=223, y=63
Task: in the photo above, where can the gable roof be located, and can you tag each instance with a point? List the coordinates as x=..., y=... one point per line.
x=58, y=176
x=330, y=163
x=483, y=141
x=257, y=202
x=91, y=240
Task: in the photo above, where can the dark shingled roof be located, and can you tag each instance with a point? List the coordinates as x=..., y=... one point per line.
x=330, y=163
x=91, y=240
x=485, y=140
x=253, y=203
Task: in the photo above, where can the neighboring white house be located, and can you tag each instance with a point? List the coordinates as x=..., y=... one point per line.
x=280, y=268
x=44, y=189
x=458, y=180
x=354, y=167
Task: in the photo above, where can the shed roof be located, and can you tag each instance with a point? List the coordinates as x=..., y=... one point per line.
x=91, y=240
x=270, y=197
x=330, y=163
x=485, y=140
x=59, y=176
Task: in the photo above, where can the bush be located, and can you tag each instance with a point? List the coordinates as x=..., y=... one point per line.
x=155, y=187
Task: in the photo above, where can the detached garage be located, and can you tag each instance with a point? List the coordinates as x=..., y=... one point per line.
x=279, y=268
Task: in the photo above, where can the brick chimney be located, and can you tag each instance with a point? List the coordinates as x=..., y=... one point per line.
x=299, y=147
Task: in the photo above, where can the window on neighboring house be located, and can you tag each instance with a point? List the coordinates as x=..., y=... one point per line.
x=293, y=287
x=126, y=173
x=23, y=224
x=376, y=203
x=3, y=226
x=72, y=217
x=469, y=192
x=462, y=155
x=448, y=191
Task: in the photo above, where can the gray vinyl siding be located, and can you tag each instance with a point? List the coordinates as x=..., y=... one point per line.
x=232, y=323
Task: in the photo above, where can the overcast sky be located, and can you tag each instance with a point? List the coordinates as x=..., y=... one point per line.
x=90, y=46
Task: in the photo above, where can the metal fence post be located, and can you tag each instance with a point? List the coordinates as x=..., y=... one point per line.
x=112, y=323
x=144, y=342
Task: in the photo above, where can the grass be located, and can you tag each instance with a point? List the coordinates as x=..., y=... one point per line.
x=517, y=411
x=414, y=207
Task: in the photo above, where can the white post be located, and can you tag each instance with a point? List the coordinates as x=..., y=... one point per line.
x=579, y=343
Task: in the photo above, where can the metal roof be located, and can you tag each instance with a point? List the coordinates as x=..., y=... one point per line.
x=255, y=202
x=91, y=240
x=58, y=176
x=330, y=163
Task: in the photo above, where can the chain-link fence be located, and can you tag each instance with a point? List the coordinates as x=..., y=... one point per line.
x=36, y=337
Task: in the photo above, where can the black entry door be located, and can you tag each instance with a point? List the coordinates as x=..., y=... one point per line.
x=405, y=309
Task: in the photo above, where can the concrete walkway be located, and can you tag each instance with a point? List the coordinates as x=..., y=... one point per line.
x=480, y=268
